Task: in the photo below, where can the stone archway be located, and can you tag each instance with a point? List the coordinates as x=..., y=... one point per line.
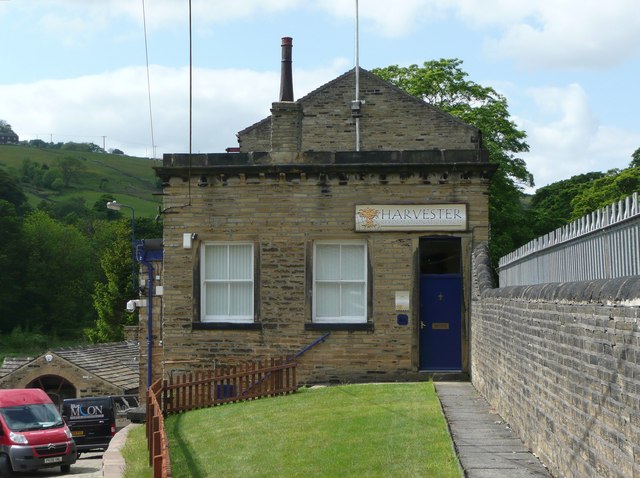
x=58, y=388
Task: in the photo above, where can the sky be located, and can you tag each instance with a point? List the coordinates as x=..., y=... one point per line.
x=76, y=70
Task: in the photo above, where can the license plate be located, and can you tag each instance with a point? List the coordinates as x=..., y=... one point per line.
x=55, y=459
x=77, y=433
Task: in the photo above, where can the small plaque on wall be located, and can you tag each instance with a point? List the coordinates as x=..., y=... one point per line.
x=402, y=300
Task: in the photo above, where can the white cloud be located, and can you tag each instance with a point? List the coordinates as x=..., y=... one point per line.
x=395, y=19
x=566, y=34
x=115, y=105
x=568, y=138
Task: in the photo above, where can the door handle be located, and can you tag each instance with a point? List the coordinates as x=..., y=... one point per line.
x=422, y=325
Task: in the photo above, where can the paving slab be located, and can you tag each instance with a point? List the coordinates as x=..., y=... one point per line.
x=484, y=442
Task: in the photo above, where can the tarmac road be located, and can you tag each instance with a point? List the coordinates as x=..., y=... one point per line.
x=89, y=465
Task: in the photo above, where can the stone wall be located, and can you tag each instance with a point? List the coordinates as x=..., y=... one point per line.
x=86, y=384
x=390, y=120
x=560, y=363
x=282, y=214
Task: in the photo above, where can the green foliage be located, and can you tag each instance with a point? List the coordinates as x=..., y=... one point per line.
x=130, y=180
x=635, y=159
x=22, y=340
x=22, y=343
x=12, y=277
x=5, y=127
x=111, y=295
x=70, y=166
x=443, y=84
x=57, y=262
x=551, y=204
x=613, y=186
x=87, y=147
x=52, y=259
x=11, y=191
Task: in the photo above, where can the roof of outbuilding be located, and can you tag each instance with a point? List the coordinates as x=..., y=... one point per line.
x=13, y=363
x=116, y=363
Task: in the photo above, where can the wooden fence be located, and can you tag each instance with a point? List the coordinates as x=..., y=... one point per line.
x=229, y=384
x=156, y=435
x=206, y=389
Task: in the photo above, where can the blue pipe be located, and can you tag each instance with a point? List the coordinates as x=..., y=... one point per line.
x=141, y=260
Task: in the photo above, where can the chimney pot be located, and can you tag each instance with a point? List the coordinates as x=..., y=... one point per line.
x=286, y=75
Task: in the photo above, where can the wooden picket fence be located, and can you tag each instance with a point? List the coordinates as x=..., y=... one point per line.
x=229, y=384
x=156, y=436
x=209, y=388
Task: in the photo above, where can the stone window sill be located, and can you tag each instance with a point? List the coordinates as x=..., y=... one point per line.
x=226, y=326
x=367, y=327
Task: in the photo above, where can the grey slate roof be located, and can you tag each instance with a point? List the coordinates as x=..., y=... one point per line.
x=13, y=363
x=116, y=363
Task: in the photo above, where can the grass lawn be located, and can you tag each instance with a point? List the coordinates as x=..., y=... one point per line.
x=136, y=454
x=385, y=430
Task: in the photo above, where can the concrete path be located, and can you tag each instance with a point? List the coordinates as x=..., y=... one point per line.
x=485, y=444
x=113, y=464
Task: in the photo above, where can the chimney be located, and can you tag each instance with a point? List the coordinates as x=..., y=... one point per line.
x=286, y=76
x=286, y=114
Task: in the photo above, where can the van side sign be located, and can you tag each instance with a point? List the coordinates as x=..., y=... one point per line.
x=83, y=411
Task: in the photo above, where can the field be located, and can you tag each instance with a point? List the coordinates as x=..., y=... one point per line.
x=129, y=179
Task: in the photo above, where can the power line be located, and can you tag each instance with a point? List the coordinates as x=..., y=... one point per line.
x=146, y=54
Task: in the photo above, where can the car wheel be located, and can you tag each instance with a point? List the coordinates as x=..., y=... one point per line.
x=65, y=469
x=5, y=467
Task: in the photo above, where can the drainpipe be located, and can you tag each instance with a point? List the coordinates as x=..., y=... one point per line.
x=149, y=265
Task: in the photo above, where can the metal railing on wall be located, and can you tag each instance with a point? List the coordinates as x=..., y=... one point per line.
x=601, y=245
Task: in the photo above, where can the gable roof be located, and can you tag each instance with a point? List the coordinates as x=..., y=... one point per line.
x=13, y=363
x=309, y=97
x=116, y=363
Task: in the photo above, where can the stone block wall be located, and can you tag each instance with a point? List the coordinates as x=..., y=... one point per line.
x=282, y=214
x=87, y=384
x=390, y=120
x=561, y=364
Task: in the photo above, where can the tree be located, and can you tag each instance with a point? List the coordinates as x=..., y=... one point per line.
x=60, y=273
x=613, y=186
x=5, y=127
x=111, y=295
x=443, y=84
x=551, y=204
x=70, y=167
x=635, y=159
x=11, y=191
x=11, y=264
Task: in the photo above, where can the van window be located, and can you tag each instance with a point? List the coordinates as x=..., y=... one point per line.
x=31, y=417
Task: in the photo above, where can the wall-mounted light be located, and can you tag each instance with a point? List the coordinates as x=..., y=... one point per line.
x=187, y=239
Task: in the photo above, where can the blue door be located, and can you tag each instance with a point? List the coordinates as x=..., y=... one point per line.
x=441, y=322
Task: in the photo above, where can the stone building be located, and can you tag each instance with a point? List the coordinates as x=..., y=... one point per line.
x=93, y=370
x=341, y=216
x=9, y=137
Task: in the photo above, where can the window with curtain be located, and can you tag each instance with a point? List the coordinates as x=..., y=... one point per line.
x=227, y=282
x=339, y=282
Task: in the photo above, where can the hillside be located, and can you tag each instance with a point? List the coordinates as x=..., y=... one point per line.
x=129, y=179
